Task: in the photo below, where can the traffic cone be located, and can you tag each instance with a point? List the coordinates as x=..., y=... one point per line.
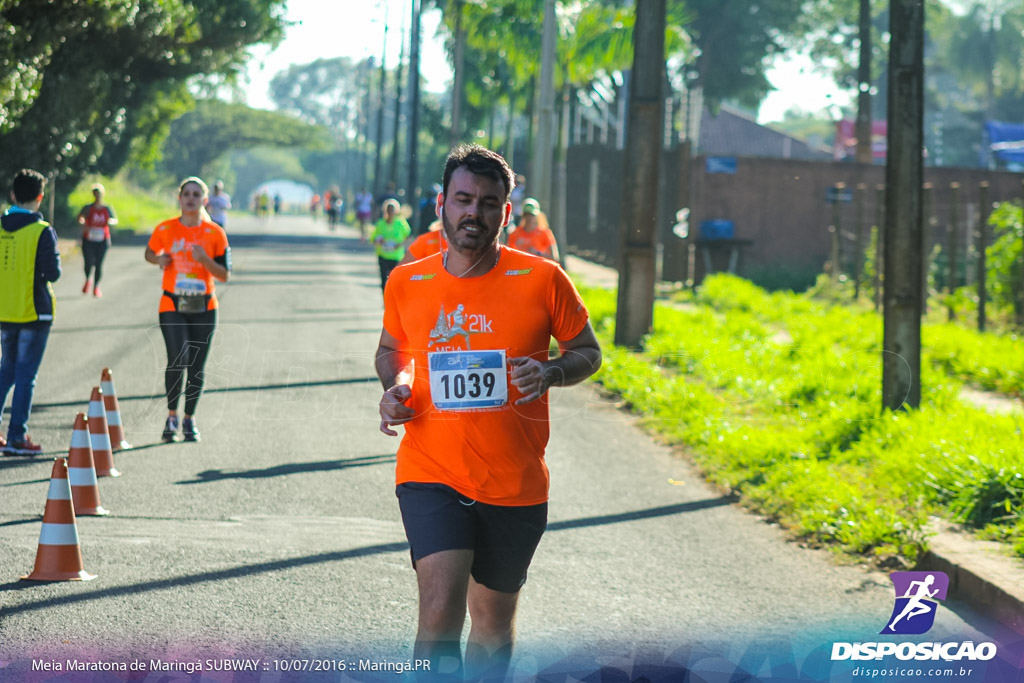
x=114, y=427
x=102, y=454
x=82, y=472
x=59, y=557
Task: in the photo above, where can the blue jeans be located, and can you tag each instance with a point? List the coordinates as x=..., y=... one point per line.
x=21, y=346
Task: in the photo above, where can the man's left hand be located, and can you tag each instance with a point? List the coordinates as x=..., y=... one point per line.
x=529, y=377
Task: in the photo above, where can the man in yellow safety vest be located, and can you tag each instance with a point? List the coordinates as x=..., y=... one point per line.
x=29, y=262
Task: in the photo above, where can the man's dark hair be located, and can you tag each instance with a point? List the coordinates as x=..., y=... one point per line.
x=479, y=161
x=27, y=185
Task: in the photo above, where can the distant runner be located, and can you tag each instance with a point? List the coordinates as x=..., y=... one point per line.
x=471, y=480
x=218, y=204
x=389, y=238
x=430, y=242
x=192, y=251
x=364, y=210
x=95, y=219
x=532, y=235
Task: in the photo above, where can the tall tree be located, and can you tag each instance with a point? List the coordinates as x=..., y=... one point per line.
x=734, y=43
x=85, y=85
x=214, y=128
x=984, y=48
x=324, y=92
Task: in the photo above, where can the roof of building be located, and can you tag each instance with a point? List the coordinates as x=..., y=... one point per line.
x=732, y=132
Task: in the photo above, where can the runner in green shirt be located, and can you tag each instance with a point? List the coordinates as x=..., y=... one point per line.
x=389, y=238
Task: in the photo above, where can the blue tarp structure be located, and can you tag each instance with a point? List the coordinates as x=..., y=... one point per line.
x=1006, y=141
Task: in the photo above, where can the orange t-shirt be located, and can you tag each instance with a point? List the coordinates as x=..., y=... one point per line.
x=185, y=275
x=539, y=240
x=426, y=244
x=494, y=455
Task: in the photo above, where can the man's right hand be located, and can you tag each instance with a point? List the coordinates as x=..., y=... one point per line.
x=393, y=410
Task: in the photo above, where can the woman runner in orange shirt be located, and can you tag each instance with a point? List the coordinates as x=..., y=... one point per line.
x=192, y=251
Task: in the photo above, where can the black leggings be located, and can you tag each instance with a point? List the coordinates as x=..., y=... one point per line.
x=187, y=337
x=386, y=266
x=94, y=253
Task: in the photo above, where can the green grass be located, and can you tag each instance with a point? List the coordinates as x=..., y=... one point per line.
x=137, y=210
x=778, y=398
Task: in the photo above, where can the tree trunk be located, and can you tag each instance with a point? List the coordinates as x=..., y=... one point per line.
x=634, y=315
x=459, y=85
x=901, y=356
x=544, y=144
x=864, y=154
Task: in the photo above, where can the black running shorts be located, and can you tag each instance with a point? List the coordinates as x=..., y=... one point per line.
x=503, y=538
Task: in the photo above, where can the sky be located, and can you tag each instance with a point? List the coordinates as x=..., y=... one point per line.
x=355, y=29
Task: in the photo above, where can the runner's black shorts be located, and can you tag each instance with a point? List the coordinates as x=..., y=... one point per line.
x=503, y=538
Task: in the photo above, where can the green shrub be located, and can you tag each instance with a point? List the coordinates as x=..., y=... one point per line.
x=1003, y=256
x=778, y=397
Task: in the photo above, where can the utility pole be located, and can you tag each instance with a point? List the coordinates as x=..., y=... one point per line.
x=458, y=85
x=510, y=134
x=393, y=176
x=560, y=184
x=381, y=100
x=544, y=142
x=634, y=315
x=904, y=232
x=365, y=114
x=863, y=127
x=411, y=189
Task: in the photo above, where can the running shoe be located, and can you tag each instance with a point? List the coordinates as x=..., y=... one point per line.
x=85, y=287
x=190, y=429
x=96, y=292
x=170, y=429
x=24, y=447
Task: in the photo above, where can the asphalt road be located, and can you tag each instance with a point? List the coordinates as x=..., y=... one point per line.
x=278, y=536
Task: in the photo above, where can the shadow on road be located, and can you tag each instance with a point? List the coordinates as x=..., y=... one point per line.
x=290, y=283
x=144, y=447
x=338, y=556
x=663, y=511
x=104, y=328
x=291, y=468
x=227, y=320
x=11, y=462
x=315, y=243
x=46, y=458
x=181, y=581
x=35, y=519
x=224, y=390
x=22, y=483
x=306, y=273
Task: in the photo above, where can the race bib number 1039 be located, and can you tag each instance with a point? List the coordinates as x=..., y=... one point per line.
x=467, y=380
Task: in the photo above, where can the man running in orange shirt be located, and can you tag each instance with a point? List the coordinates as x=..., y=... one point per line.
x=532, y=235
x=467, y=374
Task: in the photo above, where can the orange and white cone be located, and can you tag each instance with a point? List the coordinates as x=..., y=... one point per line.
x=99, y=437
x=114, y=427
x=59, y=557
x=82, y=472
